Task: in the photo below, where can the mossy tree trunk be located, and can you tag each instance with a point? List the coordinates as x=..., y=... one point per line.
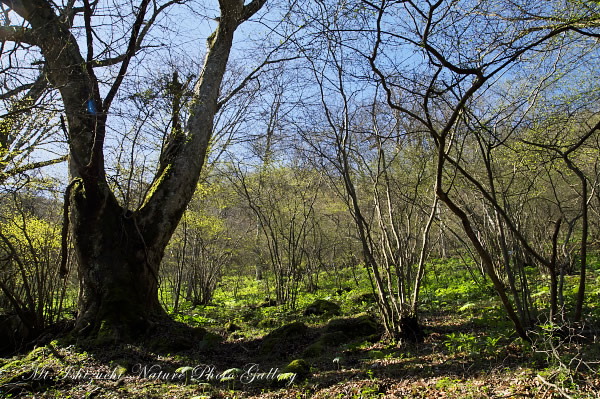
x=118, y=269
x=119, y=250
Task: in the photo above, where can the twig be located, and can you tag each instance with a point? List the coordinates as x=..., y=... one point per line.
x=560, y=390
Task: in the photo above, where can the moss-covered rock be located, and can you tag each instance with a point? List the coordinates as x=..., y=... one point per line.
x=267, y=323
x=178, y=338
x=340, y=331
x=315, y=349
x=32, y=371
x=231, y=327
x=333, y=338
x=299, y=367
x=279, y=341
x=354, y=327
x=14, y=369
x=325, y=342
x=364, y=298
x=121, y=366
x=342, y=291
x=247, y=314
x=321, y=306
x=291, y=330
x=267, y=303
x=209, y=340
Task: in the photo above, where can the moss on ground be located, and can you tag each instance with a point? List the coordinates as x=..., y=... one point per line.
x=325, y=342
x=299, y=367
x=321, y=307
x=354, y=327
x=280, y=339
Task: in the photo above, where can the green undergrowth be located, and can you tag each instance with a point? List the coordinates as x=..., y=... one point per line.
x=340, y=351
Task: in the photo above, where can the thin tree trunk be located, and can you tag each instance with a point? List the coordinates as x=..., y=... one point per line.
x=584, y=237
x=421, y=268
x=486, y=260
x=553, y=279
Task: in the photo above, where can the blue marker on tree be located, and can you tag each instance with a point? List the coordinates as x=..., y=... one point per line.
x=91, y=107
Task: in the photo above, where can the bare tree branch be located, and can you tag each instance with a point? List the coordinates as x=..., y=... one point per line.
x=18, y=34
x=251, y=76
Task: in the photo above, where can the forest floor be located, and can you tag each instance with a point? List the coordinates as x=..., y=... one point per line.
x=243, y=347
x=457, y=359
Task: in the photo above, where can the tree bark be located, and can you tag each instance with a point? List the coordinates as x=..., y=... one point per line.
x=118, y=284
x=553, y=279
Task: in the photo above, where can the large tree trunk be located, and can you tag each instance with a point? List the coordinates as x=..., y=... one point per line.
x=118, y=285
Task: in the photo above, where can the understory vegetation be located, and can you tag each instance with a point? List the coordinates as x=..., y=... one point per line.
x=331, y=344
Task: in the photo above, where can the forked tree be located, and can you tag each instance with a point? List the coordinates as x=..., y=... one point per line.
x=119, y=250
